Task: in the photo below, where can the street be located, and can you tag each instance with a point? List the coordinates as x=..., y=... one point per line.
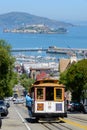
x=18, y=119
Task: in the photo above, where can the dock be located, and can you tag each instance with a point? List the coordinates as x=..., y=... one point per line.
x=53, y=49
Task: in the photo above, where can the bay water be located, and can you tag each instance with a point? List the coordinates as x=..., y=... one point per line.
x=76, y=37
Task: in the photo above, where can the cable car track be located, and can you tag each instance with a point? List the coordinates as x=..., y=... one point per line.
x=78, y=119
x=59, y=124
x=56, y=126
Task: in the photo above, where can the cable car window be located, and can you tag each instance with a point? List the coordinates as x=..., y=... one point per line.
x=58, y=93
x=49, y=93
x=39, y=93
x=48, y=81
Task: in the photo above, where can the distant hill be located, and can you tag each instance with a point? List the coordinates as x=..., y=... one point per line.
x=18, y=19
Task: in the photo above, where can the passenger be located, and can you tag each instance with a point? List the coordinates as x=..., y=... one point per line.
x=29, y=101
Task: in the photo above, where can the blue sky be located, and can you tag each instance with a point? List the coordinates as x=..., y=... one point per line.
x=63, y=10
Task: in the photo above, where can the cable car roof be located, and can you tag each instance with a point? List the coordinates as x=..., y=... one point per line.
x=47, y=83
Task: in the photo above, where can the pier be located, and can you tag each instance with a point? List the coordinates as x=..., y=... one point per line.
x=27, y=49
x=53, y=49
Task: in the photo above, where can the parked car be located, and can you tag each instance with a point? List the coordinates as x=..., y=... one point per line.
x=76, y=106
x=7, y=103
x=0, y=121
x=70, y=107
x=3, y=108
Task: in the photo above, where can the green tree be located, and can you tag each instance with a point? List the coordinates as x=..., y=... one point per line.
x=26, y=82
x=84, y=93
x=6, y=69
x=75, y=79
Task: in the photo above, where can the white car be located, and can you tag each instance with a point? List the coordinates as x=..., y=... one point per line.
x=19, y=101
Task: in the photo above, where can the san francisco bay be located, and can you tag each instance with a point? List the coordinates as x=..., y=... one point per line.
x=76, y=37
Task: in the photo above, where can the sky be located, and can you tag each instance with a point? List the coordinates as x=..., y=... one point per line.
x=63, y=10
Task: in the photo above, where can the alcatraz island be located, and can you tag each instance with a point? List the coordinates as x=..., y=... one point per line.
x=36, y=28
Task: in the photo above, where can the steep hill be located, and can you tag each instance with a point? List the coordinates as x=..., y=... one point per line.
x=18, y=19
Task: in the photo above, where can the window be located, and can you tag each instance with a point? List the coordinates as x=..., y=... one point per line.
x=40, y=93
x=49, y=93
x=58, y=93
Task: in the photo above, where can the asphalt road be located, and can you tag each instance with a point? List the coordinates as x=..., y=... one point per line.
x=18, y=119
x=14, y=120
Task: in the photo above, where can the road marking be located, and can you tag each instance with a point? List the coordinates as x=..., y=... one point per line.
x=74, y=123
x=28, y=128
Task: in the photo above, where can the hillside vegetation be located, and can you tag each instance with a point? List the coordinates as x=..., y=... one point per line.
x=20, y=19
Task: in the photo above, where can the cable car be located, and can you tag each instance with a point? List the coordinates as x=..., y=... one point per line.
x=49, y=100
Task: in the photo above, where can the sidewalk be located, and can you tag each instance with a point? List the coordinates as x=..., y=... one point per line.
x=12, y=121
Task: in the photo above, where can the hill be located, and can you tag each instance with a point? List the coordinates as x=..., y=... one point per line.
x=18, y=19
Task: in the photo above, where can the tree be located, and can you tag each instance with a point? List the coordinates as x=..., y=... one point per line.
x=75, y=79
x=26, y=82
x=6, y=69
x=84, y=93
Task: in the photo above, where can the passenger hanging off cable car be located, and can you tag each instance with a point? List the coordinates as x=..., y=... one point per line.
x=29, y=101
